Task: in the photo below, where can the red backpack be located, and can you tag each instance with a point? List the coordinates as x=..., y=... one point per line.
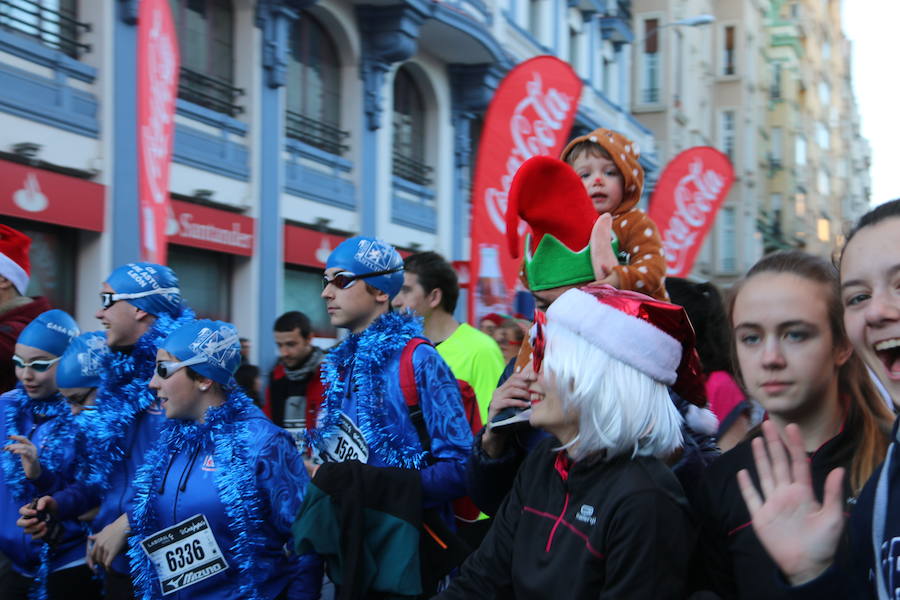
x=463, y=508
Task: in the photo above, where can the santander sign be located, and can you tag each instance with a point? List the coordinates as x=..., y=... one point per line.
x=530, y=115
x=687, y=197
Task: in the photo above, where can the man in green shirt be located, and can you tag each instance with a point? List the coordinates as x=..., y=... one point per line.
x=431, y=289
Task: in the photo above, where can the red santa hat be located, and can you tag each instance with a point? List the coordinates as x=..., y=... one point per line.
x=653, y=336
x=14, y=263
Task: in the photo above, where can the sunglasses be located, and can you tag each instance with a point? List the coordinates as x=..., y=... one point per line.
x=107, y=299
x=167, y=368
x=38, y=366
x=345, y=279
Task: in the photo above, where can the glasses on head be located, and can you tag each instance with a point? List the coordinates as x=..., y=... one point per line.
x=107, y=299
x=40, y=365
x=167, y=368
x=345, y=279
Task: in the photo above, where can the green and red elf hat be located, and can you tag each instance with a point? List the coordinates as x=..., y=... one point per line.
x=547, y=194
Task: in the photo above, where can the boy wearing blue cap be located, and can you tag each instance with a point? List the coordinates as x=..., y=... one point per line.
x=36, y=420
x=140, y=305
x=364, y=414
x=224, y=472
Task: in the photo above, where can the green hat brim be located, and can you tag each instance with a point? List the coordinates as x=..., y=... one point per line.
x=553, y=265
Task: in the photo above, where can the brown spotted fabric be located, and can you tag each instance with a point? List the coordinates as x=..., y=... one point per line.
x=645, y=270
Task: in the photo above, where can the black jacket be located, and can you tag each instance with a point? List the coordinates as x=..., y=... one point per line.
x=617, y=529
x=732, y=561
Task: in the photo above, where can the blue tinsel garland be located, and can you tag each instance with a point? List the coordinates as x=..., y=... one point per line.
x=62, y=430
x=235, y=479
x=365, y=355
x=122, y=395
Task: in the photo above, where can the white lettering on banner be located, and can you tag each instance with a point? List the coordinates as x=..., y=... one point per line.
x=155, y=135
x=693, y=206
x=530, y=138
x=210, y=233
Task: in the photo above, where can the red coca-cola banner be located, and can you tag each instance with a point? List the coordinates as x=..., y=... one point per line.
x=530, y=115
x=684, y=204
x=157, y=86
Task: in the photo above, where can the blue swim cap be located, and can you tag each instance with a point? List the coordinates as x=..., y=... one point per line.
x=150, y=287
x=80, y=363
x=50, y=331
x=360, y=255
x=213, y=347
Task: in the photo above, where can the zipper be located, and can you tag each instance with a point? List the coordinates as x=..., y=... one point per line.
x=558, y=520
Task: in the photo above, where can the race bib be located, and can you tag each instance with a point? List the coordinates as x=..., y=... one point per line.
x=184, y=554
x=347, y=443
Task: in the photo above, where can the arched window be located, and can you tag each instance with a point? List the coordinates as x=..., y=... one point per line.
x=409, y=130
x=314, y=87
x=206, y=42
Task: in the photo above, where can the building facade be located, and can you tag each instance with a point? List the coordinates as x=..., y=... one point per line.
x=699, y=85
x=818, y=161
x=298, y=124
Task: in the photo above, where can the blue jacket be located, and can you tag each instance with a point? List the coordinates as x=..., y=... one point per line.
x=443, y=471
x=23, y=552
x=851, y=576
x=116, y=451
x=188, y=486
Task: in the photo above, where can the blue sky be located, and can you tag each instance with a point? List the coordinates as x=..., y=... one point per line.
x=872, y=27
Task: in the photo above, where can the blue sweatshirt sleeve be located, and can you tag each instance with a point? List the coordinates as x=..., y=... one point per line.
x=451, y=436
x=282, y=479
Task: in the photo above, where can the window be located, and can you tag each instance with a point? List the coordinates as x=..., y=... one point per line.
x=727, y=240
x=729, y=61
x=823, y=137
x=824, y=93
x=314, y=87
x=727, y=133
x=574, y=47
x=206, y=40
x=534, y=18
x=824, y=182
x=650, y=61
x=775, y=202
x=775, y=156
x=205, y=280
x=302, y=291
x=409, y=130
x=52, y=22
x=775, y=90
x=800, y=151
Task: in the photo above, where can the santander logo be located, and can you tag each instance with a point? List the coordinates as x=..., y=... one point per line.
x=30, y=197
x=696, y=199
x=534, y=125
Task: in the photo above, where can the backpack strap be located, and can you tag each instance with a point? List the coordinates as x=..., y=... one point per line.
x=411, y=392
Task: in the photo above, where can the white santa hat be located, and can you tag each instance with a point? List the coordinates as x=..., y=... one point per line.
x=653, y=336
x=14, y=263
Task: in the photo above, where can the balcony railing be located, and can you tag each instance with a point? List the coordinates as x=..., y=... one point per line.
x=411, y=170
x=212, y=93
x=650, y=95
x=316, y=133
x=53, y=28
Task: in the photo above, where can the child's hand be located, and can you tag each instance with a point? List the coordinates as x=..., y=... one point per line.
x=611, y=279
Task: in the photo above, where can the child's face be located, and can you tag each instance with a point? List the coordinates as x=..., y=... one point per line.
x=602, y=181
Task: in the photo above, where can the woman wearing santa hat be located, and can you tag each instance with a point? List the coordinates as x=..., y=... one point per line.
x=16, y=309
x=594, y=509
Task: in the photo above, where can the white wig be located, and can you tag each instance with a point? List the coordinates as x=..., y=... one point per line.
x=619, y=408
